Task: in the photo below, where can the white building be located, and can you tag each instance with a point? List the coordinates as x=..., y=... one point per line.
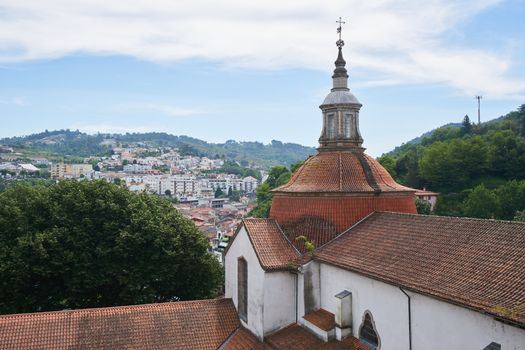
x=394, y=281
x=136, y=168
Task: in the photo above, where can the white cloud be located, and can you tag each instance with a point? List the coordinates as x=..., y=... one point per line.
x=400, y=41
x=169, y=110
x=109, y=128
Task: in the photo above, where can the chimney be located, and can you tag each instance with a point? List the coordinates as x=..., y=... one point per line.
x=343, y=315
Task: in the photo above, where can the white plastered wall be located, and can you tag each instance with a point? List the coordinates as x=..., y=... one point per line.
x=242, y=247
x=279, y=300
x=435, y=324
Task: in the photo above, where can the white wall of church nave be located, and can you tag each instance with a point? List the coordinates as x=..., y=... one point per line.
x=241, y=247
x=279, y=300
x=435, y=324
x=387, y=304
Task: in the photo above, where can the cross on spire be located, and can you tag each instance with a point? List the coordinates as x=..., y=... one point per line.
x=340, y=42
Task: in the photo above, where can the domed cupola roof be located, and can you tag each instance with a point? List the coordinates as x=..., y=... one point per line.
x=339, y=172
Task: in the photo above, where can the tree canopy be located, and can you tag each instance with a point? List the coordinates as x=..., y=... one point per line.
x=78, y=244
x=455, y=159
x=278, y=175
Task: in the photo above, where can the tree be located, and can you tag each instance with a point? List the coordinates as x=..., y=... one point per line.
x=219, y=193
x=466, y=126
x=510, y=198
x=168, y=192
x=481, y=203
x=235, y=196
x=389, y=163
x=278, y=175
x=520, y=215
x=78, y=244
x=423, y=207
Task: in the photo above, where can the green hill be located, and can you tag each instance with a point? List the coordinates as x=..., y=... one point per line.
x=466, y=161
x=74, y=144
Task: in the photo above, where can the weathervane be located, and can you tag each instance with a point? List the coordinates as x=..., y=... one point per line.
x=340, y=43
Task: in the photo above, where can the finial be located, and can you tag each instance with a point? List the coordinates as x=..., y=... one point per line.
x=340, y=43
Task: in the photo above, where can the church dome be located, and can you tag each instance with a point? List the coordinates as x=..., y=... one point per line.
x=342, y=172
x=340, y=185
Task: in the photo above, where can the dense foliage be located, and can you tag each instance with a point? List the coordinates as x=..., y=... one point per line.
x=75, y=143
x=278, y=175
x=503, y=202
x=230, y=167
x=455, y=160
x=78, y=244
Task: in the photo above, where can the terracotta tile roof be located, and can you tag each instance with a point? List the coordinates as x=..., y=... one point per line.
x=315, y=230
x=273, y=250
x=320, y=218
x=243, y=339
x=323, y=319
x=203, y=324
x=342, y=171
x=475, y=263
x=295, y=337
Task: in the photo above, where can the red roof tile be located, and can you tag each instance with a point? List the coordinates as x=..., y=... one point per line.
x=295, y=337
x=476, y=263
x=321, y=218
x=323, y=319
x=273, y=250
x=341, y=171
x=243, y=339
x=203, y=324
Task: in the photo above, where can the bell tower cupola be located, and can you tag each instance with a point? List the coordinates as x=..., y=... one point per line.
x=340, y=110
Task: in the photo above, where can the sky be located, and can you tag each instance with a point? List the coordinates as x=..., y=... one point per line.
x=256, y=70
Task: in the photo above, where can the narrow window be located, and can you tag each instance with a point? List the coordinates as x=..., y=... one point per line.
x=368, y=333
x=330, y=126
x=242, y=289
x=347, y=124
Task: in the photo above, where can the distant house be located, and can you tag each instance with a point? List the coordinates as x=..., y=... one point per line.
x=28, y=167
x=427, y=196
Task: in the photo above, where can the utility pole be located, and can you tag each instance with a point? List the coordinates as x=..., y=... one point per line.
x=479, y=108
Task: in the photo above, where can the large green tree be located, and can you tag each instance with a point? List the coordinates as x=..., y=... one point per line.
x=481, y=203
x=278, y=175
x=80, y=244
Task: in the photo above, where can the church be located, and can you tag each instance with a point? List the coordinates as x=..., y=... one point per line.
x=345, y=256
x=343, y=262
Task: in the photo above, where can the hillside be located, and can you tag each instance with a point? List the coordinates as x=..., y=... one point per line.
x=75, y=144
x=466, y=161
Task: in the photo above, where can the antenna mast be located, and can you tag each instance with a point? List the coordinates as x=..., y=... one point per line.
x=479, y=97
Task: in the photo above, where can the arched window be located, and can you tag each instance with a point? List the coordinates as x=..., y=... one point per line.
x=368, y=332
x=242, y=289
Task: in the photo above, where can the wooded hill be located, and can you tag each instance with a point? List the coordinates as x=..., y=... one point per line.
x=71, y=144
x=478, y=169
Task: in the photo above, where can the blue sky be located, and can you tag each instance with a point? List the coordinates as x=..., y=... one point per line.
x=255, y=70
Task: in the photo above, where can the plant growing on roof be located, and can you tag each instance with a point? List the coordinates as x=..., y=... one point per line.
x=309, y=245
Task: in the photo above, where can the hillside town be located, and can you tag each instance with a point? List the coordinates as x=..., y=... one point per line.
x=214, y=200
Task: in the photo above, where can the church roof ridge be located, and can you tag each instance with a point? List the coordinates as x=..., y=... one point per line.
x=422, y=253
